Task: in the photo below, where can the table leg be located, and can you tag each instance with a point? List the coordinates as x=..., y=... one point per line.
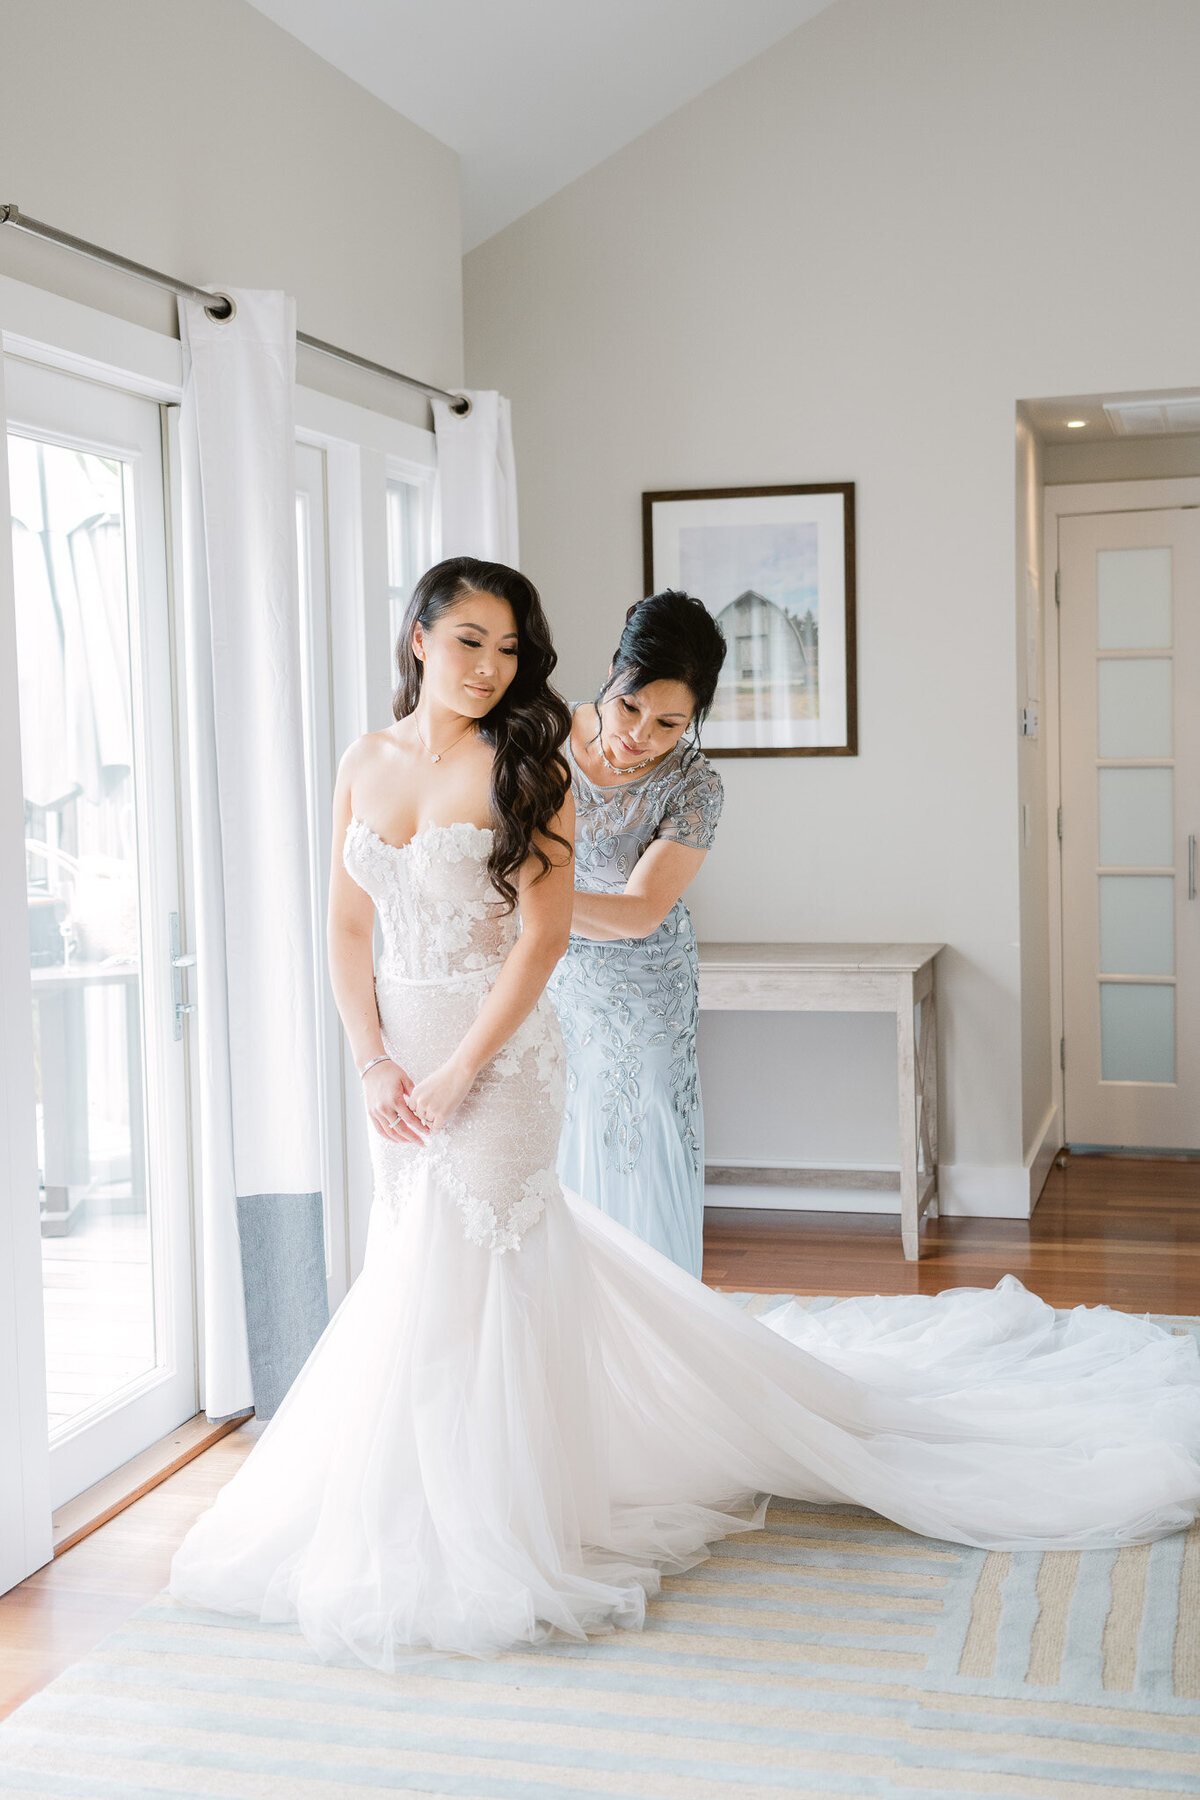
x=929, y=1094
x=906, y=1061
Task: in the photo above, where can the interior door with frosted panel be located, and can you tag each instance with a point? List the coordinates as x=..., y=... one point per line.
x=102, y=858
x=1129, y=623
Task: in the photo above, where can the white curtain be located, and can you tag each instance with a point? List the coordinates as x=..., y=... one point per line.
x=265, y=1298
x=477, y=479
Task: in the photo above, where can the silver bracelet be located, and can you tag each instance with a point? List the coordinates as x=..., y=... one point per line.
x=366, y=1069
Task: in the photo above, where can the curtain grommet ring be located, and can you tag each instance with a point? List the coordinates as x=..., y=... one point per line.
x=214, y=310
x=463, y=407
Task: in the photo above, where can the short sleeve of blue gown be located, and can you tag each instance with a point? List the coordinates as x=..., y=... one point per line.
x=693, y=806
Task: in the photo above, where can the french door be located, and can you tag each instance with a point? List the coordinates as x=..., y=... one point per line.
x=107, y=970
x=1129, y=624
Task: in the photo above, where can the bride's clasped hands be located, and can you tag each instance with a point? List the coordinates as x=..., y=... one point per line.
x=436, y=1099
x=522, y=1416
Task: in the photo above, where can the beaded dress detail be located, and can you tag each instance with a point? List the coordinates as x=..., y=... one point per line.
x=633, y=1131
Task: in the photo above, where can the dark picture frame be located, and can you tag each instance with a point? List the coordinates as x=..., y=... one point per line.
x=779, y=568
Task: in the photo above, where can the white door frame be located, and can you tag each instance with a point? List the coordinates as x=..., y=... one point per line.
x=58, y=406
x=361, y=450
x=26, y=1539
x=62, y=334
x=1062, y=502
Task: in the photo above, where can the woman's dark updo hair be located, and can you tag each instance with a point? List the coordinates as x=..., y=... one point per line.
x=527, y=725
x=669, y=637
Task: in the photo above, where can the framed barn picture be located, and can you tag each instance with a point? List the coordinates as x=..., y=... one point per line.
x=775, y=566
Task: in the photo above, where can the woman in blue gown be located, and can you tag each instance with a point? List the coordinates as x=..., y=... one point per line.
x=647, y=803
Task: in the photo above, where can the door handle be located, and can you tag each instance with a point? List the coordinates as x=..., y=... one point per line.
x=1191, y=865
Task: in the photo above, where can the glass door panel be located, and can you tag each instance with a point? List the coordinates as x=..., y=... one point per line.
x=1137, y=1032
x=1133, y=598
x=69, y=539
x=1137, y=817
x=1134, y=707
x=97, y=750
x=1137, y=924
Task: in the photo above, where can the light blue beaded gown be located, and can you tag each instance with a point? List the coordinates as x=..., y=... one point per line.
x=633, y=1134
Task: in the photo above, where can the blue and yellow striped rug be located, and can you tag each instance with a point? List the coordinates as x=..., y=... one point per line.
x=831, y=1654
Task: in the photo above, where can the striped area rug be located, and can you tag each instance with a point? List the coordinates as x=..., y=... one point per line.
x=831, y=1654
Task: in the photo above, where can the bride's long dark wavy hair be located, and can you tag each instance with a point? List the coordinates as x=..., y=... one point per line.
x=527, y=725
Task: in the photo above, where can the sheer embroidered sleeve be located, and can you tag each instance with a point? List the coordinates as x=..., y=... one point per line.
x=693, y=806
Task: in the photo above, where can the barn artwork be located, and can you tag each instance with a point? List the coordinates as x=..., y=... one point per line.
x=776, y=568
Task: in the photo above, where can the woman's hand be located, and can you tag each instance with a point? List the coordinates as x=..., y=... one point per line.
x=388, y=1089
x=438, y=1097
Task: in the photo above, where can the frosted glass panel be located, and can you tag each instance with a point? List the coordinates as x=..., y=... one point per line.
x=1133, y=702
x=1137, y=924
x=1133, y=599
x=1137, y=1033
x=1137, y=817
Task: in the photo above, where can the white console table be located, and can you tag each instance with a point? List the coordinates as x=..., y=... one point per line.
x=890, y=978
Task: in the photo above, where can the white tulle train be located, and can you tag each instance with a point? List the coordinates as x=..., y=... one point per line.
x=521, y=1416
x=485, y=1449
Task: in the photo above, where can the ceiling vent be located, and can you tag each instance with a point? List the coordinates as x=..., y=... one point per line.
x=1154, y=418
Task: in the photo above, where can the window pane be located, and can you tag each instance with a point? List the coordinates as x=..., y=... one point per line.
x=1137, y=1032
x=1137, y=924
x=1133, y=599
x=1137, y=817
x=404, y=547
x=74, y=682
x=1134, y=707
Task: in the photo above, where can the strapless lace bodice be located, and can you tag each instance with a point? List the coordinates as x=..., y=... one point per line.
x=446, y=935
x=438, y=912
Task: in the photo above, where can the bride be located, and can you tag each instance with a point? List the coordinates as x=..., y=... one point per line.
x=521, y=1416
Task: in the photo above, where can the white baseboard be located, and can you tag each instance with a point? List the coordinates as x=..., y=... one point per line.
x=804, y=1199
x=984, y=1190
x=1040, y=1159
x=966, y=1191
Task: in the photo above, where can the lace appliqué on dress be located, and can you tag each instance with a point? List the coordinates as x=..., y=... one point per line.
x=482, y=1224
x=446, y=934
x=495, y=1158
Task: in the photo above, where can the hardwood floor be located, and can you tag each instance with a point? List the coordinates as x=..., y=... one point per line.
x=1123, y=1232
x=1118, y=1231
x=59, y=1613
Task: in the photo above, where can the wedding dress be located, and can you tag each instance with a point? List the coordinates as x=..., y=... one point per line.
x=521, y=1415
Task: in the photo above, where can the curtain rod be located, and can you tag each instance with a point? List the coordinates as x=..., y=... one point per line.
x=217, y=306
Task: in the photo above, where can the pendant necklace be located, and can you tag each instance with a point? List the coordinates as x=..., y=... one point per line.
x=437, y=755
x=631, y=769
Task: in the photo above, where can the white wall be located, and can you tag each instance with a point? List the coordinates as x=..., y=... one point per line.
x=206, y=142
x=849, y=260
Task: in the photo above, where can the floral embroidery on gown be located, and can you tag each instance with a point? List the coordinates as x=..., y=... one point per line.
x=521, y=1415
x=633, y=1128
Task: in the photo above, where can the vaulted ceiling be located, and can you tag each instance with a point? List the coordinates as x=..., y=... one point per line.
x=531, y=93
